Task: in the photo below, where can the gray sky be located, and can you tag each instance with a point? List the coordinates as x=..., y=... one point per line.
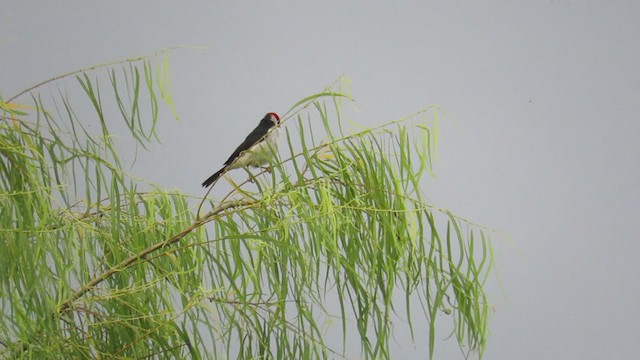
x=545, y=97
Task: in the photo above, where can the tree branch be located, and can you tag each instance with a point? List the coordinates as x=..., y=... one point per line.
x=21, y=347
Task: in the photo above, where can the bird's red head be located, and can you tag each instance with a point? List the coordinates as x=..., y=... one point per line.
x=275, y=118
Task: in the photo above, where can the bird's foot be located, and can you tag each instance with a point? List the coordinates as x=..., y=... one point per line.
x=267, y=169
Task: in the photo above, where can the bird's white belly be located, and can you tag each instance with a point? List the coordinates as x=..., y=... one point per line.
x=259, y=154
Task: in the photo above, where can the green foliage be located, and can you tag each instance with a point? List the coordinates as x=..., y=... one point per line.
x=91, y=266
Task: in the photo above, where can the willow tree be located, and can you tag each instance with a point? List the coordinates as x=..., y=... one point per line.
x=337, y=238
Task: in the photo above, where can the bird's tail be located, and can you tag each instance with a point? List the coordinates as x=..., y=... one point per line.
x=213, y=178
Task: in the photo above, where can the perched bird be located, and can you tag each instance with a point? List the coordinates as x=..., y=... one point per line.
x=257, y=149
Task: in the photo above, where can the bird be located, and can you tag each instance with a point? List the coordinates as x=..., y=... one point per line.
x=256, y=150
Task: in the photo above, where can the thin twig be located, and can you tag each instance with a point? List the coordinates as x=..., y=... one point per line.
x=93, y=67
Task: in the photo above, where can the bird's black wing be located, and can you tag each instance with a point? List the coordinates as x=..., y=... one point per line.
x=256, y=136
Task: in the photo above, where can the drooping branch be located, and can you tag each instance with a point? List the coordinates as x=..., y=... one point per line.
x=21, y=347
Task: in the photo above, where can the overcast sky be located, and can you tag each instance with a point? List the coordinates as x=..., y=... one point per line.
x=545, y=96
